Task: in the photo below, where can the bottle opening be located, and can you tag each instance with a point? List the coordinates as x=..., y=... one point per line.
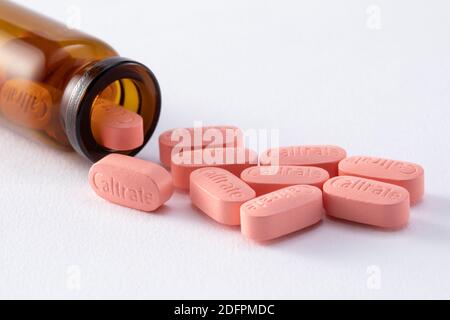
x=123, y=92
x=111, y=107
x=115, y=120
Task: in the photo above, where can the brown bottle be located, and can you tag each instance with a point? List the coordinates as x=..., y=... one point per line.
x=51, y=77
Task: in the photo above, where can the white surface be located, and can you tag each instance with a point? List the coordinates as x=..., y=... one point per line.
x=316, y=70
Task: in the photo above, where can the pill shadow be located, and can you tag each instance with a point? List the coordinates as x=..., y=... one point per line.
x=163, y=210
x=115, y=209
x=182, y=191
x=307, y=236
x=437, y=203
x=338, y=241
x=295, y=236
x=365, y=227
x=204, y=217
x=429, y=224
x=431, y=219
x=438, y=206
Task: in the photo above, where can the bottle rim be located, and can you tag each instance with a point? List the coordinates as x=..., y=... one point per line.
x=83, y=89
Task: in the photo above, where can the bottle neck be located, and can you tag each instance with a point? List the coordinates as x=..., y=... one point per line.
x=126, y=82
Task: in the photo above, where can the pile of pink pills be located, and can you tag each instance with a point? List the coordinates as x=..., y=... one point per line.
x=271, y=195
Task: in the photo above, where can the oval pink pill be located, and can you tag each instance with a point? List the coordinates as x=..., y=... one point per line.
x=182, y=139
x=366, y=201
x=322, y=156
x=131, y=182
x=115, y=127
x=266, y=179
x=281, y=212
x=404, y=174
x=219, y=194
x=2, y=78
x=234, y=160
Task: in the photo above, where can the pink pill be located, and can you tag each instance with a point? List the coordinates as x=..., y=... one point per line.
x=367, y=201
x=2, y=78
x=325, y=157
x=281, y=212
x=115, y=127
x=404, y=174
x=183, y=139
x=234, y=160
x=266, y=179
x=131, y=182
x=219, y=194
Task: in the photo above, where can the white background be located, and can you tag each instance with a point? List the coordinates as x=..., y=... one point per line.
x=371, y=76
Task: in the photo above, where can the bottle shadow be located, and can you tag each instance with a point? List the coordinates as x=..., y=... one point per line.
x=31, y=144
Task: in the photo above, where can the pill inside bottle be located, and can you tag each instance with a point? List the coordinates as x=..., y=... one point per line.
x=115, y=127
x=118, y=118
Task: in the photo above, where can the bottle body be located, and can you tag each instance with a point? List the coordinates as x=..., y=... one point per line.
x=52, y=76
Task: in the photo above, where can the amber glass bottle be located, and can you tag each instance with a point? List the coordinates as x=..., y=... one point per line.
x=51, y=77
